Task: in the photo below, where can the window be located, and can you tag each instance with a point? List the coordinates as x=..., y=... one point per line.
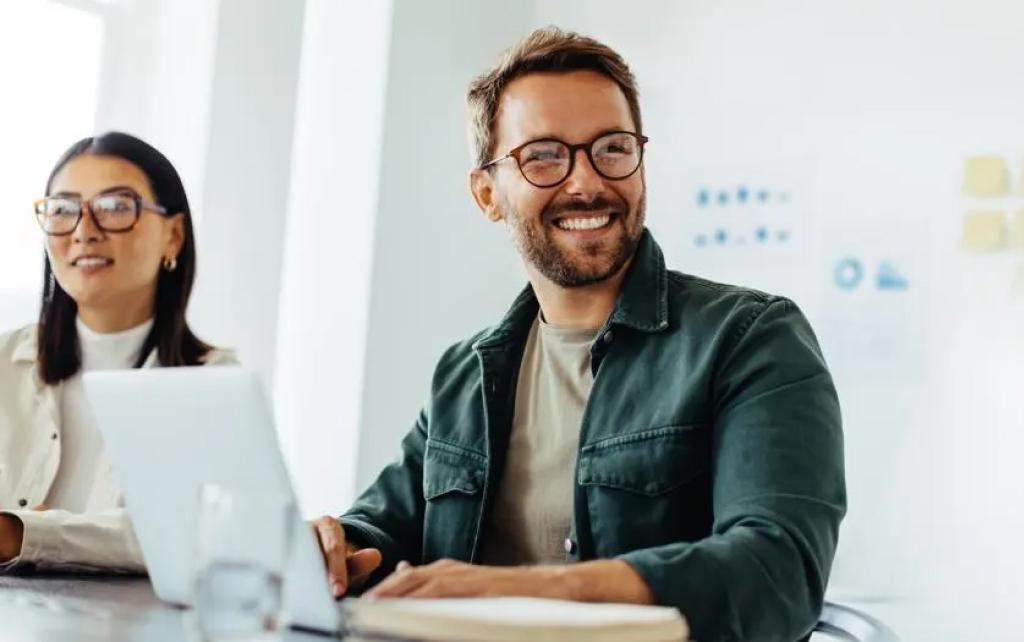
x=50, y=55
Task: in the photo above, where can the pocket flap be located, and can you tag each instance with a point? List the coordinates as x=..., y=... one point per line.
x=650, y=462
x=451, y=469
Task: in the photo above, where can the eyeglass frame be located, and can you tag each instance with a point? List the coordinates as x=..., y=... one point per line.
x=587, y=149
x=140, y=205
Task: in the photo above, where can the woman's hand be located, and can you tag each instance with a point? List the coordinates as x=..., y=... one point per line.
x=11, y=533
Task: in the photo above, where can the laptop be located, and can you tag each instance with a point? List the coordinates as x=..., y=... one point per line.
x=169, y=430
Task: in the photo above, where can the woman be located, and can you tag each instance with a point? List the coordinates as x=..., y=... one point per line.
x=118, y=272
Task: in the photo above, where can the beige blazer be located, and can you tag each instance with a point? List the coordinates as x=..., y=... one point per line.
x=30, y=452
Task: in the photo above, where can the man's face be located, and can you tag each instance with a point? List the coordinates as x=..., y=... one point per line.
x=585, y=229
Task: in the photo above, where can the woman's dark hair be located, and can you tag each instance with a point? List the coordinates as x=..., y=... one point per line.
x=59, y=354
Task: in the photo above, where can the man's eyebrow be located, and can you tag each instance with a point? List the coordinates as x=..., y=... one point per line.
x=603, y=132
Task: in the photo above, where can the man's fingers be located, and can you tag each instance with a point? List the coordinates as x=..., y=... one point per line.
x=400, y=583
x=442, y=588
x=41, y=507
x=361, y=564
x=332, y=543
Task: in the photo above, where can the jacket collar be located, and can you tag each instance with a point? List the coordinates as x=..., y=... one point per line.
x=642, y=303
x=25, y=348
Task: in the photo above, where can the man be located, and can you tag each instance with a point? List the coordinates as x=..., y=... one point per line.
x=626, y=433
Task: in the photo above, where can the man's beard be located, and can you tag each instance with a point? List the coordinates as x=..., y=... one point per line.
x=557, y=264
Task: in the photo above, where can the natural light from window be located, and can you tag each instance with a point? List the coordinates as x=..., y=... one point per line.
x=49, y=68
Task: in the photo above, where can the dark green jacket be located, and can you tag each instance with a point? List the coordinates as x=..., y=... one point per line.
x=710, y=457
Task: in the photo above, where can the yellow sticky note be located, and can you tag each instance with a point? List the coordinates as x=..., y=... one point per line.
x=1017, y=229
x=985, y=176
x=984, y=231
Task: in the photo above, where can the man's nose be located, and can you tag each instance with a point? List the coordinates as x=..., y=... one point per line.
x=583, y=181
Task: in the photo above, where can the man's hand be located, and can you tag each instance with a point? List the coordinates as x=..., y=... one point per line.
x=597, y=581
x=11, y=533
x=347, y=565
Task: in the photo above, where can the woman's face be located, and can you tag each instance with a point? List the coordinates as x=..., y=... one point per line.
x=111, y=270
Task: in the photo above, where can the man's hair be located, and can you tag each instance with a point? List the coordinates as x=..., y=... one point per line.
x=549, y=49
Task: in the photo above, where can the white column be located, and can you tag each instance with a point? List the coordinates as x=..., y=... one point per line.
x=246, y=181
x=329, y=241
x=440, y=271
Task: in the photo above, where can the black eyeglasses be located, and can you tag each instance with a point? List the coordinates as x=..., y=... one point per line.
x=112, y=212
x=548, y=161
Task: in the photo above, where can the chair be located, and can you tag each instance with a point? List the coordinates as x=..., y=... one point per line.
x=845, y=623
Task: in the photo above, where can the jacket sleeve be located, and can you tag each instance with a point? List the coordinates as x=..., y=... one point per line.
x=389, y=515
x=58, y=540
x=778, y=491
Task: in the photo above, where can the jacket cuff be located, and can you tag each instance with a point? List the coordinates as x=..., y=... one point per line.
x=366, y=535
x=40, y=539
x=692, y=583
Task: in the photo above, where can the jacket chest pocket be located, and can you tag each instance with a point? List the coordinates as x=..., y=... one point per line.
x=453, y=481
x=648, y=488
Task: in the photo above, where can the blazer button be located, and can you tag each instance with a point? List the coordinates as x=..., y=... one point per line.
x=570, y=546
x=607, y=338
x=24, y=502
x=53, y=436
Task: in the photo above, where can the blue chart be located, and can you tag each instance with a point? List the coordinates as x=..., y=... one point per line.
x=742, y=215
x=745, y=224
x=849, y=275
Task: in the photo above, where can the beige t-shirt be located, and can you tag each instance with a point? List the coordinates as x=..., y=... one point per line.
x=532, y=513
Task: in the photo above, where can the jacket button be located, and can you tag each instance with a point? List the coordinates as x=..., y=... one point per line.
x=23, y=503
x=607, y=338
x=53, y=436
x=570, y=546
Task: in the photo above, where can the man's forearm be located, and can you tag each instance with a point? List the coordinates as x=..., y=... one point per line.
x=602, y=581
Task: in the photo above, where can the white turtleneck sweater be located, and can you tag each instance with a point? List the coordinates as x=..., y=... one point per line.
x=84, y=482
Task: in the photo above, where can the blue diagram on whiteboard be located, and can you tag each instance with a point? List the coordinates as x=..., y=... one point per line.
x=743, y=216
x=889, y=278
x=848, y=273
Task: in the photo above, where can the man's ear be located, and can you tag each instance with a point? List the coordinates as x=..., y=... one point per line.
x=481, y=183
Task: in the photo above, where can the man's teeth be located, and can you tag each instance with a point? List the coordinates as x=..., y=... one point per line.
x=589, y=223
x=91, y=262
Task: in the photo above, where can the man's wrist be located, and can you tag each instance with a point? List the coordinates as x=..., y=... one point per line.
x=596, y=581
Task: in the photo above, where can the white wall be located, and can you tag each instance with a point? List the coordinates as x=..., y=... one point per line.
x=325, y=285
x=247, y=174
x=440, y=271
x=156, y=82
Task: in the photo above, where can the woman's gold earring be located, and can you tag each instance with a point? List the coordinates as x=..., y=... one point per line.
x=170, y=263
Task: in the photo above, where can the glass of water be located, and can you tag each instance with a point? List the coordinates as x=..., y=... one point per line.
x=243, y=543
